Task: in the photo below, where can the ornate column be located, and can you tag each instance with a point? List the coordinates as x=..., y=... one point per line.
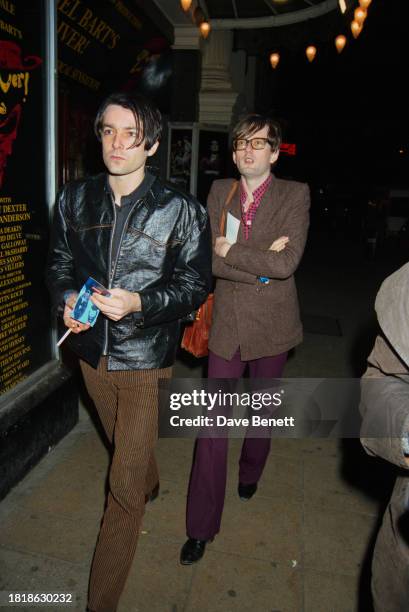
x=216, y=96
x=186, y=37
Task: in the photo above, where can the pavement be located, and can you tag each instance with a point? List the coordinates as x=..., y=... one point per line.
x=302, y=544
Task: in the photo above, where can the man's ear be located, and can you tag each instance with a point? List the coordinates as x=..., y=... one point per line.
x=153, y=149
x=234, y=156
x=274, y=156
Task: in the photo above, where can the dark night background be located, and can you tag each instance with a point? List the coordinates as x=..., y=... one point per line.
x=348, y=113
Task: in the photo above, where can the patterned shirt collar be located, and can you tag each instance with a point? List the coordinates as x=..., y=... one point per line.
x=257, y=193
x=249, y=215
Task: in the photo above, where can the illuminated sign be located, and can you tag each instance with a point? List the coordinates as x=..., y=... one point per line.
x=288, y=149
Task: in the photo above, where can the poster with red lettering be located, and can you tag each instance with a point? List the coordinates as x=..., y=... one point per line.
x=24, y=316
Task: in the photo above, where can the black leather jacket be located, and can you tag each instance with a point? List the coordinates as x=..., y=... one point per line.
x=164, y=254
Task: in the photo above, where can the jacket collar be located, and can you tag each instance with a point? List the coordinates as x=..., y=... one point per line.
x=154, y=194
x=149, y=199
x=269, y=205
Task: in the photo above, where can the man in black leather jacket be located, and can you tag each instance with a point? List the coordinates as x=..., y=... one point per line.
x=149, y=245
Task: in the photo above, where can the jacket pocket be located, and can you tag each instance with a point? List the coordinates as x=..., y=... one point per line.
x=85, y=228
x=164, y=244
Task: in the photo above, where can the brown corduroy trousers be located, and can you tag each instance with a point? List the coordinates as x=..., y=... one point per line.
x=127, y=404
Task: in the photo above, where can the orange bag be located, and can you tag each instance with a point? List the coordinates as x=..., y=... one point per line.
x=195, y=337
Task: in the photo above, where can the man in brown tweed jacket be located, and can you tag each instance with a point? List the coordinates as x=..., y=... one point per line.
x=256, y=316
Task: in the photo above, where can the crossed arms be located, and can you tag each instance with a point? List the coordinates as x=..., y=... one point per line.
x=243, y=263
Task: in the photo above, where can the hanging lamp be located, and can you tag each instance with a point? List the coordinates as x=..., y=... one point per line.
x=186, y=4
x=340, y=42
x=356, y=29
x=274, y=59
x=360, y=15
x=204, y=29
x=311, y=52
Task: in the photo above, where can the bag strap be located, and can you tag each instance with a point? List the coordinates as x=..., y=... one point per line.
x=225, y=207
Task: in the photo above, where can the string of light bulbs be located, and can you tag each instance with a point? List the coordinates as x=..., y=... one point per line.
x=357, y=24
x=340, y=41
x=198, y=17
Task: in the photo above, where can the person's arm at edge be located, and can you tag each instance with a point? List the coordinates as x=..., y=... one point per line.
x=385, y=402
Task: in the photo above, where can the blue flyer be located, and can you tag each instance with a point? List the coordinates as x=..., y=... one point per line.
x=84, y=310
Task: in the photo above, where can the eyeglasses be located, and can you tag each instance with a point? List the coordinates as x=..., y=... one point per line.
x=256, y=143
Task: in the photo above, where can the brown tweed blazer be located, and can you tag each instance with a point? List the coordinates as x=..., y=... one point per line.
x=263, y=320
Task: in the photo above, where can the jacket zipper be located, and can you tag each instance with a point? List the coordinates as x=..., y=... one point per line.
x=105, y=349
x=112, y=265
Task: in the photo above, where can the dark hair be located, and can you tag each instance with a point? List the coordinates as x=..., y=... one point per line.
x=250, y=124
x=148, y=119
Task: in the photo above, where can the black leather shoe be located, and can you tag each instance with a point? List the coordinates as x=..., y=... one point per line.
x=192, y=551
x=246, y=492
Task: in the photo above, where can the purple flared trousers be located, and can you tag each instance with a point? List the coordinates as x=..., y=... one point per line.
x=207, y=484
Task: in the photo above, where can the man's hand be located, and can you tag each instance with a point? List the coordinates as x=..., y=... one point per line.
x=75, y=326
x=222, y=246
x=119, y=304
x=279, y=244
